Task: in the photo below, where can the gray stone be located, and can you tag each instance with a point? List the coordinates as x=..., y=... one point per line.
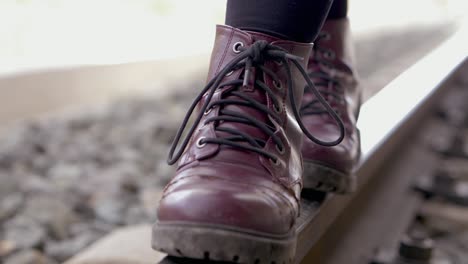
x=120, y=177
x=36, y=184
x=24, y=232
x=52, y=212
x=10, y=205
x=109, y=208
x=29, y=257
x=9, y=184
x=11, y=147
x=41, y=163
x=64, y=175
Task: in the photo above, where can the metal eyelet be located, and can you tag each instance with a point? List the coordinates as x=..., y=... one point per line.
x=330, y=55
x=229, y=73
x=279, y=62
x=275, y=162
x=278, y=109
x=236, y=47
x=207, y=111
x=280, y=150
x=199, y=143
x=325, y=35
x=277, y=84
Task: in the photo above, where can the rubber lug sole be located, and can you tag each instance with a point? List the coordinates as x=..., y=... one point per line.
x=325, y=179
x=322, y=178
x=216, y=244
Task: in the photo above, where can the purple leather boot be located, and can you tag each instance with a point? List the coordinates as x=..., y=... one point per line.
x=235, y=195
x=331, y=70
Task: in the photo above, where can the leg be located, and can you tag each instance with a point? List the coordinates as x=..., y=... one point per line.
x=338, y=10
x=298, y=20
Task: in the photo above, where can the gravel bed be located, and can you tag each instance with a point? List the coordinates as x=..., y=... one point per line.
x=68, y=180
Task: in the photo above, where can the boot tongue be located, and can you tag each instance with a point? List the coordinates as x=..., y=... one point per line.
x=247, y=111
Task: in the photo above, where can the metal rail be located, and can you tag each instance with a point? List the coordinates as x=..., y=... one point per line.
x=387, y=123
x=345, y=229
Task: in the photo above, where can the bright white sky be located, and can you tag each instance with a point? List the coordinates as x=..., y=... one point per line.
x=49, y=33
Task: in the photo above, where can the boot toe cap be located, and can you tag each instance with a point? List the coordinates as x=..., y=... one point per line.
x=217, y=202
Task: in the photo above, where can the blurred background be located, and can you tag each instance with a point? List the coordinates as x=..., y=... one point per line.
x=104, y=48
x=51, y=33
x=92, y=92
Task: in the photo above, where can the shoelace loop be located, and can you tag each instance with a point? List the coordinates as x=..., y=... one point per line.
x=255, y=55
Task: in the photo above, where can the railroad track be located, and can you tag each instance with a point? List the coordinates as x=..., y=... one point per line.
x=409, y=131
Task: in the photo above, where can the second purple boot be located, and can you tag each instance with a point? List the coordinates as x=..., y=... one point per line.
x=330, y=67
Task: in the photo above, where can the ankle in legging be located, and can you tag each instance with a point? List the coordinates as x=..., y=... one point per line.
x=296, y=20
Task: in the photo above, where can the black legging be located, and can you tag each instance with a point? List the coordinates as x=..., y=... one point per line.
x=297, y=20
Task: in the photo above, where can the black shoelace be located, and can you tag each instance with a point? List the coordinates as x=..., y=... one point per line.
x=328, y=86
x=253, y=56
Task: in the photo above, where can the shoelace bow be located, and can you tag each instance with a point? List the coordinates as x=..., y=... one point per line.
x=253, y=56
x=327, y=85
